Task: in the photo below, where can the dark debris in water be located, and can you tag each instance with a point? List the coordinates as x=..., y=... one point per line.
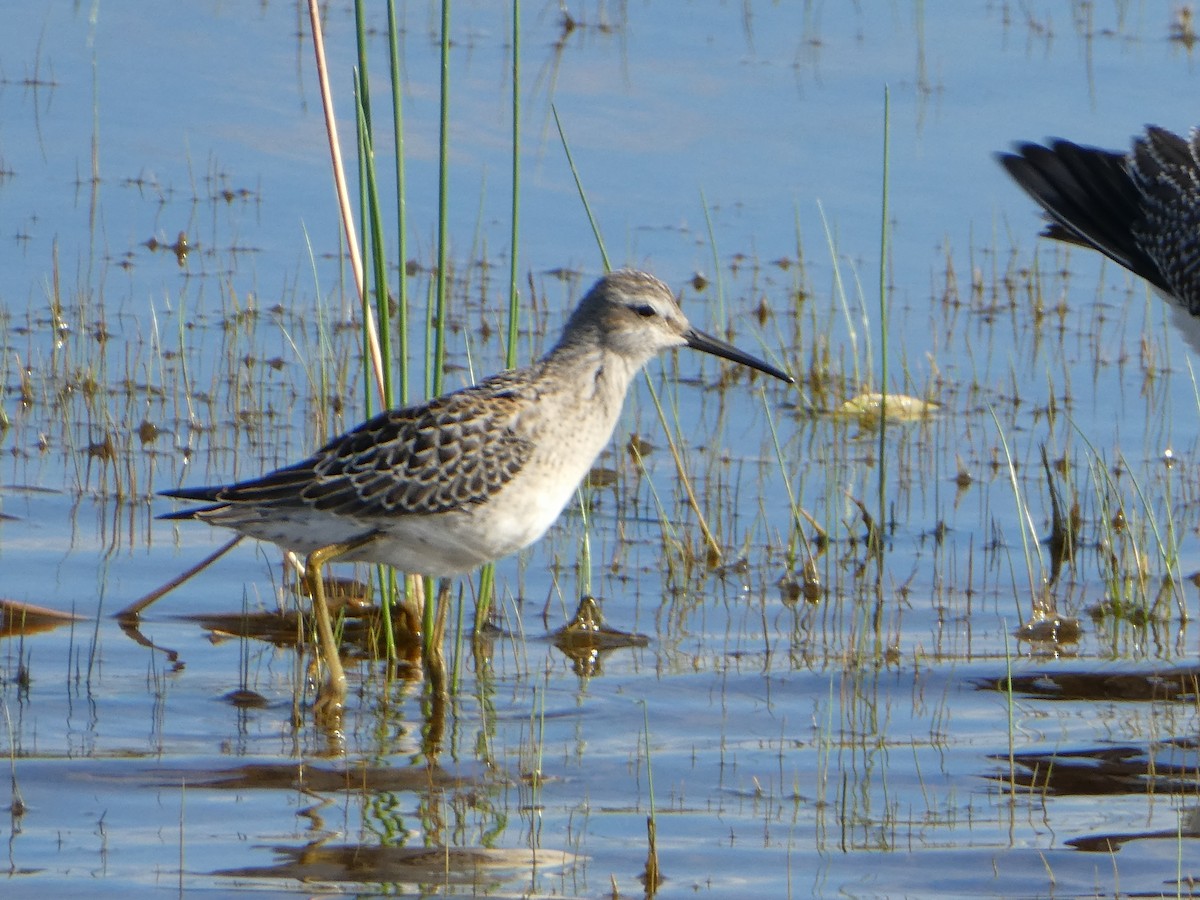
x=304, y=776
x=245, y=698
x=361, y=629
x=1052, y=631
x=587, y=628
x=397, y=866
x=586, y=639
x=638, y=447
x=21, y=619
x=601, y=477
x=804, y=584
x=1111, y=843
x=180, y=249
x=1139, y=615
x=148, y=432
x=348, y=594
x=734, y=569
x=1170, y=766
x=1178, y=684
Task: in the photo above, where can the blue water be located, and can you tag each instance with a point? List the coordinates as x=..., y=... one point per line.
x=784, y=762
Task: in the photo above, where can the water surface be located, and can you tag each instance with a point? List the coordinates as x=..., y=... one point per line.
x=858, y=745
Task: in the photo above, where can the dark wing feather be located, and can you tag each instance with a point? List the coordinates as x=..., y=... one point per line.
x=1091, y=198
x=452, y=452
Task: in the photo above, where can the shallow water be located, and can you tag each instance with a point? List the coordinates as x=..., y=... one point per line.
x=856, y=746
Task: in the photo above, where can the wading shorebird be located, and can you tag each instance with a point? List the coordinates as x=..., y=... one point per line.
x=1141, y=209
x=445, y=486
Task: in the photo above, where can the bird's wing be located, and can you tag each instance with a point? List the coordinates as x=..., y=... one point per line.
x=1090, y=197
x=452, y=452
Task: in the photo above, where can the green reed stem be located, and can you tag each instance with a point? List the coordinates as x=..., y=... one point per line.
x=375, y=256
x=360, y=30
x=456, y=666
x=1167, y=546
x=1168, y=549
x=365, y=250
x=1010, y=709
x=585, y=561
x=579, y=187
x=510, y=356
x=718, y=279
x=487, y=576
x=443, y=230
x=1028, y=530
x=797, y=529
x=669, y=537
x=583, y=494
x=884, y=243
x=710, y=540
x=339, y=181
x=839, y=289
x=685, y=481
x=401, y=354
x=649, y=769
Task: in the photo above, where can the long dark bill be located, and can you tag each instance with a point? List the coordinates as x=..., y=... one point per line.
x=698, y=340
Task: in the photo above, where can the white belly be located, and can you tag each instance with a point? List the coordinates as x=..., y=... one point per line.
x=454, y=542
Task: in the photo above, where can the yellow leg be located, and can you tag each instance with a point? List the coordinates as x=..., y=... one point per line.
x=331, y=696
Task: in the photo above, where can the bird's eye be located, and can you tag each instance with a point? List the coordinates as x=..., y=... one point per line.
x=645, y=310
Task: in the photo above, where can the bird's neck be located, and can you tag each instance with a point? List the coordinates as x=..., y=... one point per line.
x=591, y=371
